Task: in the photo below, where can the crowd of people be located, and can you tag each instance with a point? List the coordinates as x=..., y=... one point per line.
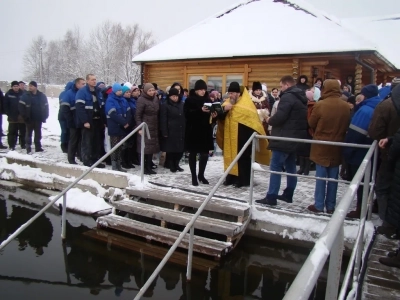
x=181, y=121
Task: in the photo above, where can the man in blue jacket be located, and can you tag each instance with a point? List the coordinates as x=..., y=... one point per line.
x=15, y=121
x=63, y=123
x=89, y=117
x=34, y=109
x=67, y=113
x=358, y=134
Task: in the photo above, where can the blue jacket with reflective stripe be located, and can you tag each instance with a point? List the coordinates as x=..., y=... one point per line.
x=85, y=107
x=67, y=106
x=118, y=114
x=358, y=131
x=68, y=86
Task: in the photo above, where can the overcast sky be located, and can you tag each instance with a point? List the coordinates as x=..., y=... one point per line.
x=23, y=20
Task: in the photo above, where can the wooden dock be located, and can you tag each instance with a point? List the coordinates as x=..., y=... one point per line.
x=160, y=215
x=381, y=282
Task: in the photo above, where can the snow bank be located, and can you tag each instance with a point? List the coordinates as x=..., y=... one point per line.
x=83, y=202
x=136, y=182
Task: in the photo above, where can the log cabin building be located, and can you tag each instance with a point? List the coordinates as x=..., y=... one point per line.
x=263, y=40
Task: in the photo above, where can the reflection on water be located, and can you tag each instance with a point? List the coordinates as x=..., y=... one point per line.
x=39, y=266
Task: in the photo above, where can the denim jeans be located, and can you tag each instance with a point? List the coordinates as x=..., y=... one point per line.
x=325, y=192
x=64, y=132
x=278, y=161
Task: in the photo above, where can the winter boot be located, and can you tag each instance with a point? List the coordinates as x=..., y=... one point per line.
x=287, y=195
x=301, y=165
x=313, y=209
x=202, y=167
x=269, y=200
x=192, y=166
x=355, y=214
x=388, y=231
x=172, y=164
x=28, y=149
x=148, y=165
x=178, y=168
x=114, y=165
x=119, y=168
x=125, y=160
x=64, y=147
x=391, y=261
x=2, y=146
x=307, y=164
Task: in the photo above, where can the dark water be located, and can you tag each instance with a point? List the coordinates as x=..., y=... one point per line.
x=37, y=265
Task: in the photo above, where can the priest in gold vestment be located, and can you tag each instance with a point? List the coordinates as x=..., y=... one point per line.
x=239, y=121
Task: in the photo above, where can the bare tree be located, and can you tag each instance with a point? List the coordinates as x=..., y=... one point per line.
x=108, y=53
x=32, y=58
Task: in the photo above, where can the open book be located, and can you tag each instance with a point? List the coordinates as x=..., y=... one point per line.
x=215, y=107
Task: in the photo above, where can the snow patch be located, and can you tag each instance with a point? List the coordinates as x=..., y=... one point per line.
x=135, y=181
x=257, y=167
x=84, y=202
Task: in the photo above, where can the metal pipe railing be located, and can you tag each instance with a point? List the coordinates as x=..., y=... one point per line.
x=190, y=225
x=50, y=204
x=308, y=275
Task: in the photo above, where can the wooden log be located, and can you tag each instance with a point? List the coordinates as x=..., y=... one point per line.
x=358, y=79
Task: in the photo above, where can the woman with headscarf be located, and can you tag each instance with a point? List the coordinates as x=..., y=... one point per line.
x=147, y=108
x=198, y=133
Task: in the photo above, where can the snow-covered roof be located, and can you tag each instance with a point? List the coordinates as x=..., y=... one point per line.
x=382, y=31
x=259, y=28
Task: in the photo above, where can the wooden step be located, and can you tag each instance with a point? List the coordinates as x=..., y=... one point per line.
x=223, y=227
x=176, y=196
x=164, y=235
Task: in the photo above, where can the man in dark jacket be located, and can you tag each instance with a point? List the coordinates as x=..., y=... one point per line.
x=67, y=113
x=15, y=121
x=358, y=134
x=89, y=116
x=34, y=109
x=289, y=121
x=385, y=123
x=1, y=118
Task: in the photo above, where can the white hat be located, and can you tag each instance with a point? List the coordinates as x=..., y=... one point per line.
x=128, y=84
x=264, y=87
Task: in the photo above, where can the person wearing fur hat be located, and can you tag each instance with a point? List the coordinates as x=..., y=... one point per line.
x=118, y=118
x=172, y=127
x=260, y=100
x=198, y=134
x=302, y=83
x=147, y=109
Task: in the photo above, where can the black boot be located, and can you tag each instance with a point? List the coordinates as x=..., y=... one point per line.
x=64, y=147
x=202, y=167
x=172, y=164
x=192, y=166
x=125, y=159
x=178, y=168
x=148, y=165
x=301, y=165
x=307, y=164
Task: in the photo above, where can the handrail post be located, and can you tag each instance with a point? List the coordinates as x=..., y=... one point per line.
x=190, y=255
x=64, y=217
x=373, y=176
x=253, y=153
x=335, y=265
x=363, y=215
x=144, y=130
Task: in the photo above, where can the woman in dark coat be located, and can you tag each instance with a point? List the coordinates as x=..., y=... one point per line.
x=172, y=127
x=198, y=134
x=147, y=108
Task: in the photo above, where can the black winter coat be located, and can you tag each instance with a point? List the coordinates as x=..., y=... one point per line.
x=34, y=108
x=2, y=110
x=198, y=133
x=172, y=126
x=393, y=208
x=11, y=103
x=290, y=120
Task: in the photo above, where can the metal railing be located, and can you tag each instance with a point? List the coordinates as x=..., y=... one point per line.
x=145, y=130
x=332, y=237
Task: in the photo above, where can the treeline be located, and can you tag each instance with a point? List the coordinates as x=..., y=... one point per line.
x=106, y=52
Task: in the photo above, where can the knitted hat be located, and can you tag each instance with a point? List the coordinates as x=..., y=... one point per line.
x=33, y=83
x=310, y=95
x=128, y=84
x=214, y=94
x=317, y=93
x=173, y=92
x=264, y=87
x=395, y=81
x=234, y=87
x=14, y=83
x=19, y=82
x=116, y=87
x=369, y=91
x=125, y=89
x=257, y=86
x=155, y=86
x=147, y=87
x=134, y=87
x=200, y=85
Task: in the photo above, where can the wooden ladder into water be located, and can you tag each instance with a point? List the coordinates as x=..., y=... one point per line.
x=161, y=213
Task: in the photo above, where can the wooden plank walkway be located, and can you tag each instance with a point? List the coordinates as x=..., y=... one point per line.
x=381, y=282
